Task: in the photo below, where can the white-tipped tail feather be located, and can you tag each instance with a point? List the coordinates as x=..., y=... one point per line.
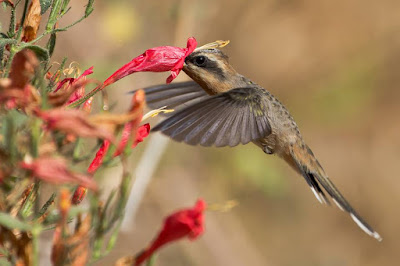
x=317, y=196
x=319, y=182
x=374, y=234
x=337, y=204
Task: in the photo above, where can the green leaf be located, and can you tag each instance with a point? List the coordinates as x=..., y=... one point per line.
x=53, y=17
x=113, y=239
x=10, y=222
x=44, y=6
x=41, y=53
x=5, y=41
x=89, y=8
x=29, y=205
x=64, y=8
x=51, y=44
x=46, y=205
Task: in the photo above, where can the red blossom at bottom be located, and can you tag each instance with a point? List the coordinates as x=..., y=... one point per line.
x=184, y=223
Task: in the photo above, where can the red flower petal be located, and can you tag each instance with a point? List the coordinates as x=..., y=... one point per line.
x=71, y=80
x=142, y=132
x=158, y=59
x=55, y=170
x=126, y=133
x=74, y=122
x=98, y=159
x=79, y=92
x=62, y=82
x=86, y=72
x=187, y=222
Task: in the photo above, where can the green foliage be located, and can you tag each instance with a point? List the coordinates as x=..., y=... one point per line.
x=22, y=139
x=13, y=223
x=44, y=5
x=58, y=9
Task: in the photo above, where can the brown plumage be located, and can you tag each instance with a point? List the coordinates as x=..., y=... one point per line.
x=228, y=109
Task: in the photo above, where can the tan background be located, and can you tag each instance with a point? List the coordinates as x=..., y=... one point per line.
x=335, y=64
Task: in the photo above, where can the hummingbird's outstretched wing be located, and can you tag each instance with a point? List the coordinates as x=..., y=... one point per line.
x=174, y=95
x=226, y=119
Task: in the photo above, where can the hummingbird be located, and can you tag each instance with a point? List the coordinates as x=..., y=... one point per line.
x=221, y=107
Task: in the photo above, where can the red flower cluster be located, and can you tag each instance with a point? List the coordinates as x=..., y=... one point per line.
x=78, y=92
x=131, y=132
x=142, y=132
x=184, y=223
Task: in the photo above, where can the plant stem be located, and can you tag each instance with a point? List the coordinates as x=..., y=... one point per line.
x=86, y=97
x=7, y=69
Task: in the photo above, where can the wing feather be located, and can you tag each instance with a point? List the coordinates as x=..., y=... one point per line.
x=226, y=119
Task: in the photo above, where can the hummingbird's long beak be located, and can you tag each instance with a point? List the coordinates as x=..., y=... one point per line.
x=213, y=45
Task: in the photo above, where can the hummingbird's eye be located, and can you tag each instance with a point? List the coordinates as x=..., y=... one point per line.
x=200, y=61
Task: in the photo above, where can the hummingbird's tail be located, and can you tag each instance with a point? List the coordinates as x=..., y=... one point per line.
x=303, y=160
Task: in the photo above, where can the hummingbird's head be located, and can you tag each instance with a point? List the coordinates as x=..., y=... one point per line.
x=211, y=70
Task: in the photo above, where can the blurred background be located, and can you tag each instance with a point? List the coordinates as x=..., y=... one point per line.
x=334, y=64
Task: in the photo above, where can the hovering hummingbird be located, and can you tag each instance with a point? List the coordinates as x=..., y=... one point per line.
x=223, y=108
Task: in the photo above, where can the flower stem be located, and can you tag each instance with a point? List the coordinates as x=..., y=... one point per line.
x=86, y=97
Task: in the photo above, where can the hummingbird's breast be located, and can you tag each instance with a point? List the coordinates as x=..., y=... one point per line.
x=284, y=130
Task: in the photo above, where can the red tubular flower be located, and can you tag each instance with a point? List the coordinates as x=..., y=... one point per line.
x=98, y=159
x=158, y=59
x=80, y=192
x=183, y=223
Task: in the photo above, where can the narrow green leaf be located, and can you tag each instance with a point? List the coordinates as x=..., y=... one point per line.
x=51, y=44
x=98, y=247
x=53, y=17
x=44, y=6
x=46, y=205
x=10, y=222
x=89, y=8
x=28, y=207
x=11, y=28
x=64, y=8
x=113, y=238
x=109, y=200
x=41, y=53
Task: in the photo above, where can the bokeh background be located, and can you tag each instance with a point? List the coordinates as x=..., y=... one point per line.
x=334, y=64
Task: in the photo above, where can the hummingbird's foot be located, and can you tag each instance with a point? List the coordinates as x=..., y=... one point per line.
x=268, y=150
